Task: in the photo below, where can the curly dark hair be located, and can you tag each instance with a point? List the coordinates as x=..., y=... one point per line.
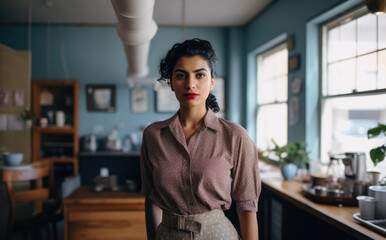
x=190, y=48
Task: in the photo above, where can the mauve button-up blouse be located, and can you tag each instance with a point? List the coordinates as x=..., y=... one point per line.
x=217, y=165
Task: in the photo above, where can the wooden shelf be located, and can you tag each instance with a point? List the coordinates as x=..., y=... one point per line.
x=60, y=160
x=59, y=130
x=60, y=95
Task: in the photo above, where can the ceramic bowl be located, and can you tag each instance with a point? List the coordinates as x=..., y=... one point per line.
x=319, y=179
x=12, y=159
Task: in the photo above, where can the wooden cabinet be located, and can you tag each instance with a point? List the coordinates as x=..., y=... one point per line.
x=104, y=215
x=56, y=137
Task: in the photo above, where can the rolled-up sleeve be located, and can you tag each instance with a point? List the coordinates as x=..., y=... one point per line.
x=146, y=168
x=246, y=184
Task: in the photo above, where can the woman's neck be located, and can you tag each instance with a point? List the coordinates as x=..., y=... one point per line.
x=191, y=117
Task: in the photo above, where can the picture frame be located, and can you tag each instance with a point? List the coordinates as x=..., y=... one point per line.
x=293, y=62
x=5, y=97
x=100, y=97
x=19, y=98
x=165, y=100
x=139, y=100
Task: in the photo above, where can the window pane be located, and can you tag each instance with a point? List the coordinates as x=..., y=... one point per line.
x=382, y=69
x=272, y=75
x=281, y=88
x=367, y=34
x=367, y=72
x=333, y=45
x=382, y=31
x=348, y=41
x=341, y=77
x=266, y=92
x=271, y=124
x=345, y=122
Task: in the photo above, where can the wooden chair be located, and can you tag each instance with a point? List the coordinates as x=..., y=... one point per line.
x=40, y=219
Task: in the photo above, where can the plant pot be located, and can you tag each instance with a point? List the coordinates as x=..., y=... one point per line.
x=289, y=170
x=28, y=123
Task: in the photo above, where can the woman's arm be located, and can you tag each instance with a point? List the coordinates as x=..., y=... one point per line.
x=248, y=225
x=153, y=218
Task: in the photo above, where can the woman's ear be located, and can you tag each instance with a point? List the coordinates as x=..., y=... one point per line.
x=212, y=84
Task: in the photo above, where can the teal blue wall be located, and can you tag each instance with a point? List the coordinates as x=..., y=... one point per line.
x=290, y=18
x=94, y=55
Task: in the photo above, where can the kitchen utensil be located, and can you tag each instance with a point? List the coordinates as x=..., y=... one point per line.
x=379, y=193
x=355, y=166
x=90, y=143
x=374, y=177
x=12, y=159
x=319, y=179
x=366, y=206
x=60, y=118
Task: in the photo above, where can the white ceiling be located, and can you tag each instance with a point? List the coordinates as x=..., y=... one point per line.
x=203, y=13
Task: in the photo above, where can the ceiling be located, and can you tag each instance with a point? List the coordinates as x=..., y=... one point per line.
x=201, y=13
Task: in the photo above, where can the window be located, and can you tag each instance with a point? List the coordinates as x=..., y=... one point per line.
x=272, y=97
x=354, y=84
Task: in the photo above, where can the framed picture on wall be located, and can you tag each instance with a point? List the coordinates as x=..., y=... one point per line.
x=101, y=98
x=139, y=100
x=165, y=100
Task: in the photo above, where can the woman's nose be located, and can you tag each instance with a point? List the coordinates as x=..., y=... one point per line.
x=190, y=83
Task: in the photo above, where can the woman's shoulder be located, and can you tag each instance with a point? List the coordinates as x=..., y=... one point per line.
x=155, y=126
x=232, y=127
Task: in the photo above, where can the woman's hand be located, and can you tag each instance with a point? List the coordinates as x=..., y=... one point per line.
x=248, y=225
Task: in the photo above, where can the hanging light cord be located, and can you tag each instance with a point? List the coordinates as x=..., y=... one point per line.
x=29, y=24
x=48, y=42
x=63, y=56
x=183, y=20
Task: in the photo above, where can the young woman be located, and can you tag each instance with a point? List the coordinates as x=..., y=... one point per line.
x=194, y=164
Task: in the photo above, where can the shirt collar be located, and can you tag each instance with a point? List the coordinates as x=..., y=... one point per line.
x=210, y=121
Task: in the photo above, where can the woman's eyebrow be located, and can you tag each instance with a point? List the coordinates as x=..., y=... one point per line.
x=197, y=70
x=180, y=70
x=200, y=69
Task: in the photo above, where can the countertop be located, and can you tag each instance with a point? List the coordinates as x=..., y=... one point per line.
x=339, y=216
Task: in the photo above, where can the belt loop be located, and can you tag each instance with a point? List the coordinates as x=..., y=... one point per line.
x=181, y=222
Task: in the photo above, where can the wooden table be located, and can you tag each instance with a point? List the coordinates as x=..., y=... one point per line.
x=104, y=215
x=337, y=216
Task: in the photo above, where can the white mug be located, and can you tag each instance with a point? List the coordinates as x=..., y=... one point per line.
x=60, y=118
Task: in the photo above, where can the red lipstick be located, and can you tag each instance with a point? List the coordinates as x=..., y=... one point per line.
x=191, y=95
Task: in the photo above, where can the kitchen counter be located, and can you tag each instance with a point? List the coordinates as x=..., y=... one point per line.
x=340, y=217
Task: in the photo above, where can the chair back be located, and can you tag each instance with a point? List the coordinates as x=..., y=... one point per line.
x=35, y=174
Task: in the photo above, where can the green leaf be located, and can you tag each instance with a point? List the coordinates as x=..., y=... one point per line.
x=374, y=132
x=377, y=154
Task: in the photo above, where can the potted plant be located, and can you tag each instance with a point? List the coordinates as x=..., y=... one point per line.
x=377, y=154
x=27, y=116
x=291, y=157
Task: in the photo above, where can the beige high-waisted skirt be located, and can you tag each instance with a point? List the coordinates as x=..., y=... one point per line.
x=213, y=225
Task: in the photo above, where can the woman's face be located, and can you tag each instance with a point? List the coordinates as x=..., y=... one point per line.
x=192, y=81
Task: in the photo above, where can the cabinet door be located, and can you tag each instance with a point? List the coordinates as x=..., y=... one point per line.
x=112, y=225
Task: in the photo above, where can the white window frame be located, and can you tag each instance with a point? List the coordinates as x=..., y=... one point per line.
x=328, y=99
x=259, y=106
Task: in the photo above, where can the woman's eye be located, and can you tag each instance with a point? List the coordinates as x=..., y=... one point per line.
x=200, y=75
x=180, y=76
